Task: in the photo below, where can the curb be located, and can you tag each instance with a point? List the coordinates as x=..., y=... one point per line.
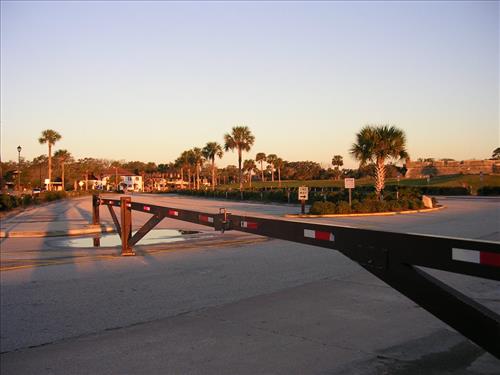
x=305, y=216
x=57, y=233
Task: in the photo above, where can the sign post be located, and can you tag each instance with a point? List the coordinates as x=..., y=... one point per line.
x=303, y=196
x=349, y=184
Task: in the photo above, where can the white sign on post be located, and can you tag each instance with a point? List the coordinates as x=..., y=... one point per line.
x=349, y=183
x=303, y=193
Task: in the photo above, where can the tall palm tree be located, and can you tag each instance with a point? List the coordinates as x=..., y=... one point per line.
x=210, y=151
x=187, y=162
x=376, y=144
x=261, y=158
x=198, y=162
x=241, y=139
x=496, y=154
x=40, y=162
x=63, y=156
x=249, y=166
x=50, y=137
x=337, y=162
x=279, y=164
x=271, y=159
x=180, y=165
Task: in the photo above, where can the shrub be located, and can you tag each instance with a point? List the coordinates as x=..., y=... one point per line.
x=369, y=205
x=50, y=196
x=7, y=202
x=322, y=208
x=444, y=190
x=488, y=190
x=277, y=196
x=27, y=200
x=343, y=208
x=393, y=206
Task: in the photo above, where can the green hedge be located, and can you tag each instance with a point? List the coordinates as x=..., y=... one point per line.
x=275, y=195
x=315, y=194
x=8, y=202
x=366, y=206
x=488, y=190
x=332, y=194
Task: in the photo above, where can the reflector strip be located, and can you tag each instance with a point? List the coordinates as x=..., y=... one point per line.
x=249, y=225
x=474, y=256
x=319, y=235
x=206, y=219
x=173, y=213
x=147, y=208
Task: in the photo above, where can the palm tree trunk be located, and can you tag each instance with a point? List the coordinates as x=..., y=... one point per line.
x=239, y=168
x=213, y=174
x=279, y=177
x=250, y=179
x=379, y=177
x=49, y=187
x=272, y=172
x=62, y=172
x=189, y=178
x=197, y=177
x=262, y=169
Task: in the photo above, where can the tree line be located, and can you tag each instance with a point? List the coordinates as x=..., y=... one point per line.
x=374, y=146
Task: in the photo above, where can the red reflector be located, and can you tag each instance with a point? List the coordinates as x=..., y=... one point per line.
x=490, y=259
x=325, y=236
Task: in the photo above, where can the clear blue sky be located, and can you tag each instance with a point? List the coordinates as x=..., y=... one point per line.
x=147, y=80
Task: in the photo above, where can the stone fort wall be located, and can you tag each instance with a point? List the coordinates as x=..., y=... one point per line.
x=417, y=169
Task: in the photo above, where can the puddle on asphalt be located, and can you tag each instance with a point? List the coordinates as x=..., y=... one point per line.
x=155, y=236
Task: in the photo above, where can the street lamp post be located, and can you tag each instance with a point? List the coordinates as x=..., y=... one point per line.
x=19, y=148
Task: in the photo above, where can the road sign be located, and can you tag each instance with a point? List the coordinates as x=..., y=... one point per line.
x=349, y=183
x=303, y=193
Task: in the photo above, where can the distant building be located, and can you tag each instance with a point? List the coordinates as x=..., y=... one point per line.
x=416, y=169
x=111, y=177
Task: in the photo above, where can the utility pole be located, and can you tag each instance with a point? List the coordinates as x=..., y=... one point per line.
x=19, y=148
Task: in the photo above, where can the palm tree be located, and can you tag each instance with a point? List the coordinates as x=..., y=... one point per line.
x=376, y=144
x=40, y=162
x=279, y=164
x=337, y=162
x=261, y=158
x=271, y=159
x=186, y=160
x=180, y=165
x=496, y=154
x=249, y=166
x=241, y=139
x=210, y=151
x=197, y=156
x=50, y=137
x=63, y=156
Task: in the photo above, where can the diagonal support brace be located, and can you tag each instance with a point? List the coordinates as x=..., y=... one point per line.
x=115, y=220
x=150, y=224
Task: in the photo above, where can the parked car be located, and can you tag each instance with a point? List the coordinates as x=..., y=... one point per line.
x=36, y=191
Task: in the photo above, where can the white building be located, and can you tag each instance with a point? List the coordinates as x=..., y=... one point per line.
x=125, y=179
